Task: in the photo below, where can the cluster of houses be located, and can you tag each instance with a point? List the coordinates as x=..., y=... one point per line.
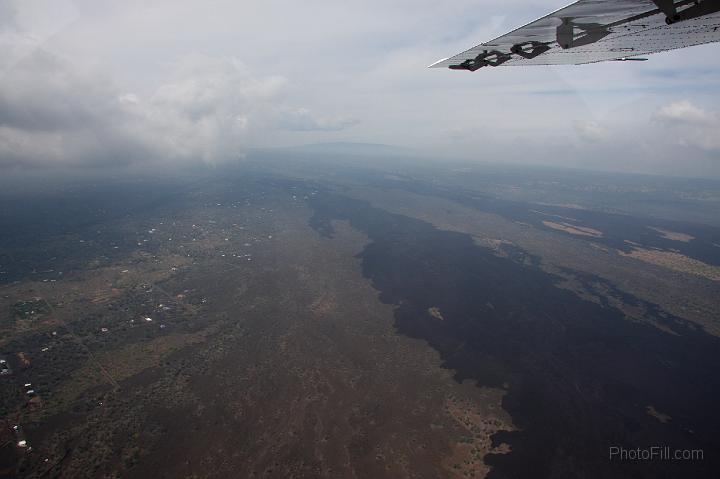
x=20, y=439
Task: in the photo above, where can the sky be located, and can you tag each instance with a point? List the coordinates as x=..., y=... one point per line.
x=111, y=83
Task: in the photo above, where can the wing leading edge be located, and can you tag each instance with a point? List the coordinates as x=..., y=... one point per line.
x=589, y=31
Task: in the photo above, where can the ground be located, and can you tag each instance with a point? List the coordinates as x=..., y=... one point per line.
x=292, y=319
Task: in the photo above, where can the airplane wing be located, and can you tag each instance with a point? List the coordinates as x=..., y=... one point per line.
x=589, y=31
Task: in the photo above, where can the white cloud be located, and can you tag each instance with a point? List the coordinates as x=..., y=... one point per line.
x=685, y=112
x=591, y=131
x=691, y=126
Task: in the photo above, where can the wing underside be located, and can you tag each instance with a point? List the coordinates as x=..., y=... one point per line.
x=591, y=31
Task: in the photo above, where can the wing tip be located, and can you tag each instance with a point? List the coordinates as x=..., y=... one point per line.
x=435, y=65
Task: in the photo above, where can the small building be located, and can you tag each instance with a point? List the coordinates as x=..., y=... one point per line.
x=20, y=439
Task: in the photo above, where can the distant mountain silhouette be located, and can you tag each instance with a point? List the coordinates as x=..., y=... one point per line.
x=350, y=148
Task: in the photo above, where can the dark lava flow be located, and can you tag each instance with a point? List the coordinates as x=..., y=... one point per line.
x=579, y=376
x=616, y=228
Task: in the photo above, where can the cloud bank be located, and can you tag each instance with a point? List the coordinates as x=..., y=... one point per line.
x=205, y=108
